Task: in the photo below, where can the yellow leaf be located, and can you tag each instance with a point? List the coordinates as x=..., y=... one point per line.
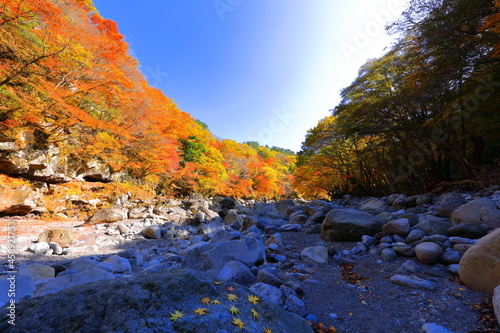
x=205, y=300
x=239, y=323
x=232, y=297
x=267, y=330
x=234, y=310
x=176, y=315
x=255, y=314
x=217, y=283
x=350, y=314
x=201, y=311
x=215, y=301
x=253, y=299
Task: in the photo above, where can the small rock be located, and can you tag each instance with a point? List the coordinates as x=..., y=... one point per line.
x=152, y=232
x=39, y=248
x=315, y=255
x=119, y=264
x=412, y=281
x=409, y=267
x=388, y=255
x=269, y=293
x=428, y=252
x=267, y=276
x=24, y=286
x=399, y=227
x=453, y=269
x=467, y=230
x=56, y=248
x=295, y=305
x=435, y=328
x=134, y=256
x=450, y=257
x=235, y=271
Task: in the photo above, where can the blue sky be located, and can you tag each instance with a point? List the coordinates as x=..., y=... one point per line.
x=254, y=70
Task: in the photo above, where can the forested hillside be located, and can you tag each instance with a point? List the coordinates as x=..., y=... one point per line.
x=72, y=97
x=423, y=116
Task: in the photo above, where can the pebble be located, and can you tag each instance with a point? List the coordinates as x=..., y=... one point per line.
x=435, y=328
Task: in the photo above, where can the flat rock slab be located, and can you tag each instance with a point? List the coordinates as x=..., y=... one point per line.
x=145, y=303
x=413, y=281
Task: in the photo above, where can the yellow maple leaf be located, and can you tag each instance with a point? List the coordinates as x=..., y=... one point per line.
x=201, y=311
x=176, y=315
x=255, y=314
x=205, y=300
x=267, y=330
x=234, y=310
x=253, y=299
x=215, y=301
x=232, y=297
x=239, y=323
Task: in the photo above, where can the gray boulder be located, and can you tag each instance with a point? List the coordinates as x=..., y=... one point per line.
x=399, y=227
x=152, y=232
x=106, y=215
x=284, y=207
x=235, y=271
x=479, y=211
x=62, y=282
x=268, y=293
x=211, y=257
x=145, y=303
x=24, y=286
x=447, y=203
x=349, y=225
x=119, y=264
x=315, y=255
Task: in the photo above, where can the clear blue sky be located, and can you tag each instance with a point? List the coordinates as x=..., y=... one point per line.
x=259, y=70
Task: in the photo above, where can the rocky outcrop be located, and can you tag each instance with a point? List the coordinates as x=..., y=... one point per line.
x=480, y=265
x=18, y=201
x=145, y=303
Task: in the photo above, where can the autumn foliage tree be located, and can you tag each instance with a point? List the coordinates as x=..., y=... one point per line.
x=68, y=82
x=422, y=116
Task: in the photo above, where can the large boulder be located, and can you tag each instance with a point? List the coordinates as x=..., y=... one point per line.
x=17, y=201
x=447, y=203
x=62, y=235
x=349, y=225
x=284, y=207
x=496, y=302
x=145, y=303
x=479, y=211
x=105, y=215
x=480, y=265
x=211, y=257
x=373, y=205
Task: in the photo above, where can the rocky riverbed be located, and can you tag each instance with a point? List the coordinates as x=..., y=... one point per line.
x=354, y=265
